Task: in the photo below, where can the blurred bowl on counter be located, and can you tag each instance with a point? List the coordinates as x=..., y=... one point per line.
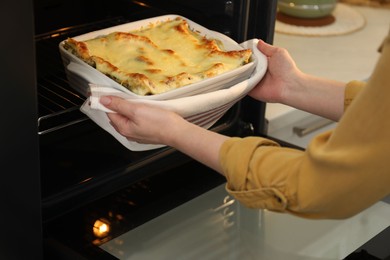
x=307, y=8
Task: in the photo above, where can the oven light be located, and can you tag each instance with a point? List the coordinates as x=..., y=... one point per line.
x=141, y=3
x=101, y=228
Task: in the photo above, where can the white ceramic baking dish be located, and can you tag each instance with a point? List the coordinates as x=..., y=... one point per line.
x=202, y=109
x=80, y=74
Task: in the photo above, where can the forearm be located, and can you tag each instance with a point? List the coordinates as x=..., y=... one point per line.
x=200, y=144
x=316, y=95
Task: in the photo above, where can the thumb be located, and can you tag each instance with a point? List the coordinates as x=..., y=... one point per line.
x=265, y=48
x=105, y=101
x=113, y=103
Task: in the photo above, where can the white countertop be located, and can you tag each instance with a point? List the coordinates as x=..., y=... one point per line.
x=345, y=57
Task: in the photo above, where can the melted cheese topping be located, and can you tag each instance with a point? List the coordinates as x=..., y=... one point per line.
x=159, y=58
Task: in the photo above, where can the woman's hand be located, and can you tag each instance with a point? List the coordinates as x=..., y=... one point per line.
x=149, y=124
x=141, y=122
x=285, y=83
x=282, y=73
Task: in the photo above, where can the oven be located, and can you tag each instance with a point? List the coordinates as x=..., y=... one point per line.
x=65, y=178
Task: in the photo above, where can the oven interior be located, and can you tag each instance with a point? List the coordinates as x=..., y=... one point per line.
x=85, y=173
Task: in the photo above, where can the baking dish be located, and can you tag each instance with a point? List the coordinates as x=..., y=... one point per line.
x=203, y=109
x=80, y=74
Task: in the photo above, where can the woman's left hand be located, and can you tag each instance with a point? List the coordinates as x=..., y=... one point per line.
x=149, y=124
x=140, y=122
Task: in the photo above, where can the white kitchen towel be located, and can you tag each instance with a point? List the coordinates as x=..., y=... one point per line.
x=202, y=109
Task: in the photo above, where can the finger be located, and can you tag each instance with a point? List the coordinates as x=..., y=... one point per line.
x=117, y=118
x=117, y=104
x=120, y=123
x=105, y=101
x=265, y=48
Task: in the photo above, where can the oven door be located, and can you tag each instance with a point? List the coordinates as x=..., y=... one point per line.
x=145, y=222
x=215, y=226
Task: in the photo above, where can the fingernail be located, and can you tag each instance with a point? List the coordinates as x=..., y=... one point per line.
x=105, y=100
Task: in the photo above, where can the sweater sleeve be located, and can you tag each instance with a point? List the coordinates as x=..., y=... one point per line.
x=352, y=89
x=342, y=171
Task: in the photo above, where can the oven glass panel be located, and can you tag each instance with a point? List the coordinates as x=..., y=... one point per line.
x=85, y=229
x=214, y=226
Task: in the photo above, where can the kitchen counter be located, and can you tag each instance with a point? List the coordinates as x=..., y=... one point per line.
x=344, y=57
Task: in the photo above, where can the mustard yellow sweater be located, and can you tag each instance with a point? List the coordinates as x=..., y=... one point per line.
x=342, y=171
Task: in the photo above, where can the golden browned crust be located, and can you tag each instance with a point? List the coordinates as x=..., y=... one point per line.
x=161, y=57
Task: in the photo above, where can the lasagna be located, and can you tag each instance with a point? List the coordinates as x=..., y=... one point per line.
x=159, y=57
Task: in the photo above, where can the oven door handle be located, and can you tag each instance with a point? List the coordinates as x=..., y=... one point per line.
x=311, y=127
